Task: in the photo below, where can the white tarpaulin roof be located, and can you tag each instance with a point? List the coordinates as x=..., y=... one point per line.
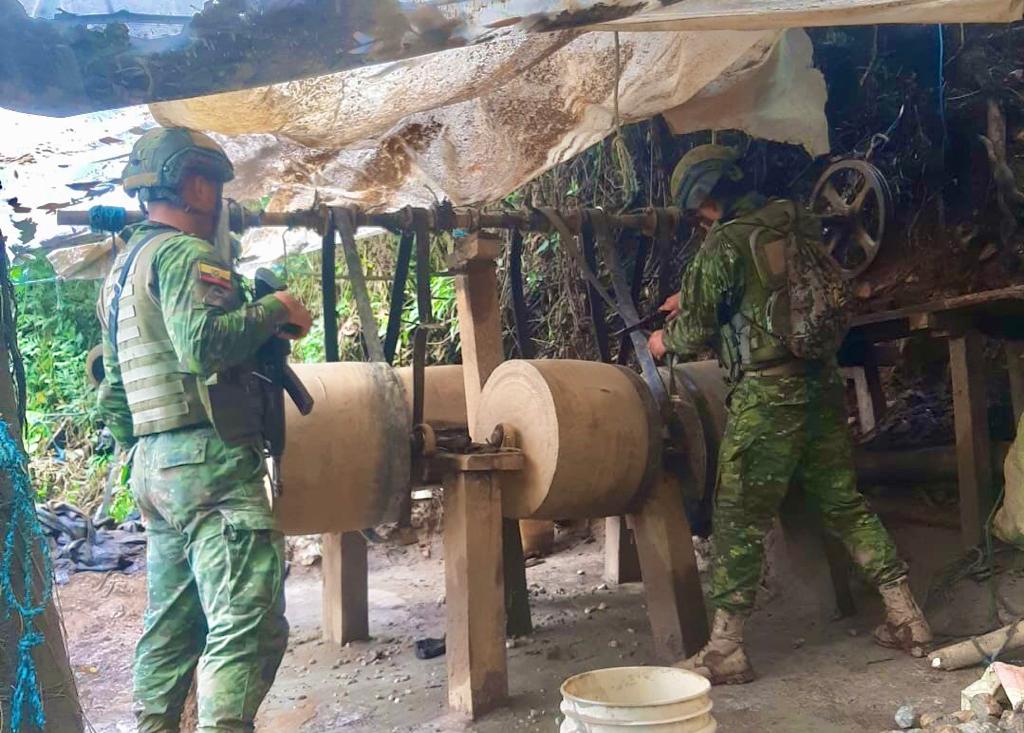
x=472, y=124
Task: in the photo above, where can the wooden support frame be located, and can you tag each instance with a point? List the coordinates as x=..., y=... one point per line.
x=346, y=591
x=675, y=602
x=621, y=561
x=474, y=582
x=479, y=311
x=973, y=442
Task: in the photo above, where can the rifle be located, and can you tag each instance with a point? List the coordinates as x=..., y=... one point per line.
x=277, y=378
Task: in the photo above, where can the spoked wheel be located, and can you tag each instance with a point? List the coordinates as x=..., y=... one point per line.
x=854, y=202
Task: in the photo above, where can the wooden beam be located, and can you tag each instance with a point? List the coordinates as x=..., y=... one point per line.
x=345, y=601
x=675, y=603
x=479, y=310
x=621, y=561
x=1015, y=368
x=865, y=405
x=973, y=442
x=475, y=594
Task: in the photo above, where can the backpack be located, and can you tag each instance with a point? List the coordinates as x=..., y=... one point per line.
x=808, y=305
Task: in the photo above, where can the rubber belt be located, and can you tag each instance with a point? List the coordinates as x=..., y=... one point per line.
x=397, y=304
x=639, y=263
x=370, y=332
x=626, y=308
x=520, y=311
x=329, y=293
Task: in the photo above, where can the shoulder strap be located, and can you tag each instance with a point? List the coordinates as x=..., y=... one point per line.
x=115, y=301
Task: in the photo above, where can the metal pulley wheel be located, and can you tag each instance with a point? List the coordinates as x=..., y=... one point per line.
x=854, y=202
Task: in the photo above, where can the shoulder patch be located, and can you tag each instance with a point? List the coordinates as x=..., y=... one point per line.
x=208, y=272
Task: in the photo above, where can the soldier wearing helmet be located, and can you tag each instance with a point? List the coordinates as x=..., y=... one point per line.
x=179, y=332
x=787, y=417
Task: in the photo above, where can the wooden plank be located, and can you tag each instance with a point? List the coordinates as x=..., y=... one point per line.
x=621, y=561
x=479, y=310
x=1015, y=368
x=1011, y=296
x=504, y=460
x=874, y=381
x=345, y=593
x=973, y=443
x=675, y=603
x=475, y=594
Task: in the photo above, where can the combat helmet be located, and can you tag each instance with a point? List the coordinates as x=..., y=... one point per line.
x=162, y=156
x=699, y=171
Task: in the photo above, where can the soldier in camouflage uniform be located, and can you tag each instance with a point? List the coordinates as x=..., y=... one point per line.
x=786, y=416
x=177, y=327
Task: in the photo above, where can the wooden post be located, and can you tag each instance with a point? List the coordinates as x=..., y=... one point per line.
x=475, y=593
x=346, y=611
x=874, y=381
x=865, y=405
x=675, y=603
x=621, y=561
x=479, y=311
x=973, y=443
x=1015, y=368
x=345, y=601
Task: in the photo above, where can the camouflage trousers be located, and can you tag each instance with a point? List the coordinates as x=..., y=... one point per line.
x=215, y=586
x=780, y=430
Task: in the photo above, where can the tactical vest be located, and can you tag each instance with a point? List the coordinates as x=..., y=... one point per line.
x=162, y=396
x=747, y=341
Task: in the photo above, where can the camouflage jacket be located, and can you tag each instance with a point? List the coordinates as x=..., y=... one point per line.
x=206, y=335
x=722, y=297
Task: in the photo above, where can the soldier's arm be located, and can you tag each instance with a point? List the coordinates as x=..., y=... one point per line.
x=709, y=282
x=196, y=289
x=110, y=396
x=112, y=402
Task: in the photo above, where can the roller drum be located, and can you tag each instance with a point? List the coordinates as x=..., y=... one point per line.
x=590, y=434
x=347, y=464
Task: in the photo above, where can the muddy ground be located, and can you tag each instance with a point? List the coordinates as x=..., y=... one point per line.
x=818, y=673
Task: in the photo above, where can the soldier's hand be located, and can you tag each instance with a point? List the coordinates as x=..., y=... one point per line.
x=671, y=306
x=297, y=318
x=656, y=343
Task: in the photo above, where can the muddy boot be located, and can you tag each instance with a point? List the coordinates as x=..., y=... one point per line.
x=723, y=660
x=905, y=626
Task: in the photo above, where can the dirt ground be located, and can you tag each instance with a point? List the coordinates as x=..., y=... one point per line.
x=817, y=673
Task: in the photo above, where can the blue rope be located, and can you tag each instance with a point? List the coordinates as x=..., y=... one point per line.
x=107, y=219
x=22, y=535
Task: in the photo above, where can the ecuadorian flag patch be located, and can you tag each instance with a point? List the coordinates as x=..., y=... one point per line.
x=214, y=275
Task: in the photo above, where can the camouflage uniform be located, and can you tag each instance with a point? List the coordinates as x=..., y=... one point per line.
x=215, y=562
x=781, y=427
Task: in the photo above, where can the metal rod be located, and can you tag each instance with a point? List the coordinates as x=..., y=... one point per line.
x=440, y=218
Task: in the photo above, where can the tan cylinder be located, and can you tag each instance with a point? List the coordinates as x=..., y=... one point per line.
x=347, y=463
x=444, y=395
x=589, y=431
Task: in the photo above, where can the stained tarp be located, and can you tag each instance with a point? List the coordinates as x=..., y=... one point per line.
x=471, y=125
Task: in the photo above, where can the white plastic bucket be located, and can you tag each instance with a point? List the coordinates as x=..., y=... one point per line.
x=635, y=699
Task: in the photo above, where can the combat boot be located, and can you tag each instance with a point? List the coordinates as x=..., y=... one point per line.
x=905, y=626
x=722, y=660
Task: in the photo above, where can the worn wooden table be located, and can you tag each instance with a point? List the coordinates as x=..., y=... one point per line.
x=963, y=322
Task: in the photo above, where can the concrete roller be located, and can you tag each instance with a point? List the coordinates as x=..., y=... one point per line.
x=589, y=431
x=347, y=464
